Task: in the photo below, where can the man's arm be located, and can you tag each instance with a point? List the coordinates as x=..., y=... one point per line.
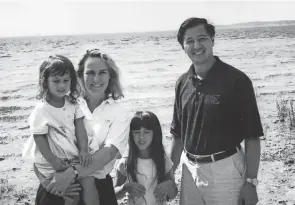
x=248, y=194
x=251, y=129
x=176, y=150
x=252, y=157
x=175, y=130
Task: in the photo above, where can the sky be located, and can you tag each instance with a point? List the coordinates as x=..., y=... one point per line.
x=55, y=17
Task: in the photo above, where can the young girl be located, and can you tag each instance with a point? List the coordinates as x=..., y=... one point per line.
x=57, y=128
x=146, y=175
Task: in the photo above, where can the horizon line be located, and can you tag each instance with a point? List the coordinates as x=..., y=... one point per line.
x=221, y=26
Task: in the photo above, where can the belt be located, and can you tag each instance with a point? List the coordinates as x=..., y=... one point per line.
x=213, y=157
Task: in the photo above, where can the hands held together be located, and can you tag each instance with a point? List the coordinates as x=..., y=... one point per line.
x=61, y=184
x=58, y=164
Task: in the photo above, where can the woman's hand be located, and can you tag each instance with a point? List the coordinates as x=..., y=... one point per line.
x=61, y=182
x=134, y=189
x=72, y=192
x=59, y=164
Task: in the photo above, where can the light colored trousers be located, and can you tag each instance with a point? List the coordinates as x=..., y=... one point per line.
x=215, y=183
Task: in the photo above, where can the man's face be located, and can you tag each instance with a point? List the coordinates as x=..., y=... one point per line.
x=198, y=45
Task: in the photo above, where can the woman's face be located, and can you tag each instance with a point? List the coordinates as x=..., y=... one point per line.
x=96, y=76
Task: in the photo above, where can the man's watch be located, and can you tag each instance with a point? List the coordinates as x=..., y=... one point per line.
x=75, y=171
x=253, y=181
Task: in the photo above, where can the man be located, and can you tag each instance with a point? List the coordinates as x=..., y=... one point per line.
x=215, y=110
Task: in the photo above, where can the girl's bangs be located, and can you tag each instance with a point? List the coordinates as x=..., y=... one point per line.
x=57, y=67
x=141, y=119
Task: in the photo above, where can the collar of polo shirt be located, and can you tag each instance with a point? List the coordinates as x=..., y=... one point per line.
x=192, y=74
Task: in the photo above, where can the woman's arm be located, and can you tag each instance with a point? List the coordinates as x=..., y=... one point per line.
x=115, y=143
x=100, y=158
x=62, y=180
x=119, y=185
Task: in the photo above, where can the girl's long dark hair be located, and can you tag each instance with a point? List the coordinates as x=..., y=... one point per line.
x=57, y=65
x=149, y=121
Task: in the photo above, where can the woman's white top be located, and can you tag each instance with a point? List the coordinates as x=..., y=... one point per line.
x=146, y=169
x=109, y=124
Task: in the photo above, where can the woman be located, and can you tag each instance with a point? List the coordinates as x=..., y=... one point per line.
x=106, y=120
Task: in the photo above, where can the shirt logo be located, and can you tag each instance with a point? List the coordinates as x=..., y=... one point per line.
x=212, y=99
x=215, y=99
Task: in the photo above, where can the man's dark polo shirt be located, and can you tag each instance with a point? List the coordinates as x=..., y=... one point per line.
x=216, y=113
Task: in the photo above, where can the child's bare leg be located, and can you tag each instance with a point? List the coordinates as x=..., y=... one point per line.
x=89, y=191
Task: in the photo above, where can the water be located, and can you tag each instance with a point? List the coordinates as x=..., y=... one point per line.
x=150, y=63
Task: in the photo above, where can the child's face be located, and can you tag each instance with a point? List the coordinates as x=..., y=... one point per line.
x=142, y=138
x=59, y=86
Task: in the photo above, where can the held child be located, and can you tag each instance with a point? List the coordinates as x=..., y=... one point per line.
x=57, y=127
x=146, y=175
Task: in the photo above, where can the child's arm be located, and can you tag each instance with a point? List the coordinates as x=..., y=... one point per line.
x=43, y=146
x=82, y=140
x=168, y=187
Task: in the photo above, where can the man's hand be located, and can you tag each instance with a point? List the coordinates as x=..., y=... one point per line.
x=162, y=189
x=248, y=195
